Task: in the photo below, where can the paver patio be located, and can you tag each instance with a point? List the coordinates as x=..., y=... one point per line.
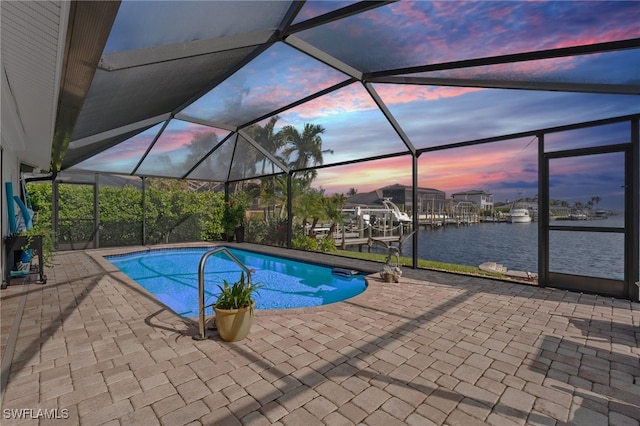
x=91, y=347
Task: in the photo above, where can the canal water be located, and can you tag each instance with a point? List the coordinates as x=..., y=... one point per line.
x=515, y=246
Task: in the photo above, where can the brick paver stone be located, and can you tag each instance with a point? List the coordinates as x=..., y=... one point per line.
x=432, y=349
x=371, y=399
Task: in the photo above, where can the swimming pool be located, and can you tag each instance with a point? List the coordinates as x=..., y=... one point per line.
x=172, y=276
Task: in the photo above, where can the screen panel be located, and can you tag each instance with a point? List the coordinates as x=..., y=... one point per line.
x=179, y=148
x=408, y=34
x=588, y=190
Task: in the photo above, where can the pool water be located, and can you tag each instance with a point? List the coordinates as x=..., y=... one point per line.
x=172, y=276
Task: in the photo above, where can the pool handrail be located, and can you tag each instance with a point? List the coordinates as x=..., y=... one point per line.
x=201, y=326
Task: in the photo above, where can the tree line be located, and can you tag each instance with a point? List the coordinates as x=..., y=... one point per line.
x=172, y=211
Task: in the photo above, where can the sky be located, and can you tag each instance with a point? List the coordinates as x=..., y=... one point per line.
x=405, y=34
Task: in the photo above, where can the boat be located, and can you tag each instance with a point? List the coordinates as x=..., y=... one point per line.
x=518, y=215
x=398, y=216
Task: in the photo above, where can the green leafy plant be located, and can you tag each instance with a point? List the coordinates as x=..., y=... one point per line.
x=327, y=244
x=237, y=295
x=255, y=230
x=233, y=214
x=47, y=242
x=304, y=242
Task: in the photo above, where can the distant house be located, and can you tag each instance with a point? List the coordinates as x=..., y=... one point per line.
x=429, y=199
x=482, y=199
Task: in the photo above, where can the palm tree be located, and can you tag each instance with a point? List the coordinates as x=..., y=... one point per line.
x=307, y=147
x=333, y=210
x=577, y=207
x=279, y=193
x=307, y=205
x=244, y=161
x=200, y=146
x=267, y=138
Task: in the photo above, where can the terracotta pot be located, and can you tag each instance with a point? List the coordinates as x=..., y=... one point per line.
x=234, y=324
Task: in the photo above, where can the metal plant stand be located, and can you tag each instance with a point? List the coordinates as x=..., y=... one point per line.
x=16, y=243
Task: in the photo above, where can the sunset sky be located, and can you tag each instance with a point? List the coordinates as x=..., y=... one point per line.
x=404, y=34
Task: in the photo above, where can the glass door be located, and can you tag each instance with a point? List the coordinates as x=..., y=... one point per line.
x=585, y=234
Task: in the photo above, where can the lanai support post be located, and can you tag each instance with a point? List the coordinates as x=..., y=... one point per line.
x=543, y=214
x=632, y=212
x=414, y=190
x=289, y=208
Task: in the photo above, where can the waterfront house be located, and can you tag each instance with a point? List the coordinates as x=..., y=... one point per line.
x=429, y=199
x=483, y=200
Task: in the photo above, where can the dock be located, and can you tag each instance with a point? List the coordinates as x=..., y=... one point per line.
x=368, y=241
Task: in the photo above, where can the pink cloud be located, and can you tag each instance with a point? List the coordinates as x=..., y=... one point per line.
x=128, y=152
x=355, y=98
x=365, y=177
x=296, y=84
x=445, y=31
x=288, y=85
x=175, y=139
x=468, y=174
x=350, y=99
x=401, y=94
x=477, y=167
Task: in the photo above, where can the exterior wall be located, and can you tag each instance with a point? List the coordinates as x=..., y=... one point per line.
x=10, y=173
x=12, y=143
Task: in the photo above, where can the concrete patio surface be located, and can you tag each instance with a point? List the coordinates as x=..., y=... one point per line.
x=91, y=347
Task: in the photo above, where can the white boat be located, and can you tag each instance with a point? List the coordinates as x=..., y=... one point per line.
x=398, y=216
x=519, y=215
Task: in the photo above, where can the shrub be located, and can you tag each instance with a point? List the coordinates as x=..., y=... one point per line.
x=327, y=244
x=255, y=230
x=305, y=242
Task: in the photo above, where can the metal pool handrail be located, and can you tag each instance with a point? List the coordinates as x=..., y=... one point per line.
x=203, y=335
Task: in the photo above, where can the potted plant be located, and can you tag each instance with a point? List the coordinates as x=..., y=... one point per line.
x=234, y=309
x=233, y=218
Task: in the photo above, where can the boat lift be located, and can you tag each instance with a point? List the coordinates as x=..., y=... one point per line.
x=367, y=215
